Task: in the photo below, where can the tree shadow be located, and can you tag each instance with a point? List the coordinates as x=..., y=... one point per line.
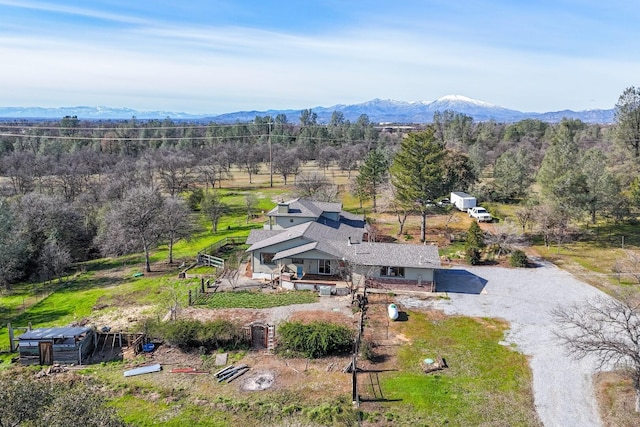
x=37, y=317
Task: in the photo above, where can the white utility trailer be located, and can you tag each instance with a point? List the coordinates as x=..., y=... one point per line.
x=462, y=201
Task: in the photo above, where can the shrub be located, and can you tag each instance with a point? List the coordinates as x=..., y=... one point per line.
x=315, y=339
x=518, y=259
x=182, y=333
x=189, y=334
x=367, y=351
x=475, y=236
x=472, y=255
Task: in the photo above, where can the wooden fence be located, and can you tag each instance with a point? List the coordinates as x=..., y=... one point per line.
x=206, y=257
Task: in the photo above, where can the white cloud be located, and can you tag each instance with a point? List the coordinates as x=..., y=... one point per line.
x=152, y=65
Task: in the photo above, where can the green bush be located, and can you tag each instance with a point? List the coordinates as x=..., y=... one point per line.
x=518, y=259
x=189, y=334
x=314, y=340
x=195, y=198
x=475, y=236
x=367, y=351
x=472, y=255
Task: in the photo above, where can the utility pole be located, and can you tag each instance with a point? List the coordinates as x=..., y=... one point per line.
x=270, y=157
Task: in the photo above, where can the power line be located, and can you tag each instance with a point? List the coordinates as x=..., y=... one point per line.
x=180, y=138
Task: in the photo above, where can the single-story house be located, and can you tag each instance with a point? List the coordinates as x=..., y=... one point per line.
x=319, y=243
x=46, y=346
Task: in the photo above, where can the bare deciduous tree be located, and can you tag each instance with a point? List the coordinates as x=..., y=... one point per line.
x=606, y=328
x=174, y=169
x=389, y=202
x=214, y=167
x=176, y=222
x=54, y=260
x=286, y=162
x=134, y=223
x=525, y=216
x=553, y=224
x=316, y=187
x=214, y=208
x=503, y=237
x=629, y=267
x=251, y=203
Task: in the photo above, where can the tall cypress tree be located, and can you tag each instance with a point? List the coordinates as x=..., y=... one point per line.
x=372, y=174
x=417, y=171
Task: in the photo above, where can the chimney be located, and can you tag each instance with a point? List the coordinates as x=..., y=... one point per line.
x=283, y=208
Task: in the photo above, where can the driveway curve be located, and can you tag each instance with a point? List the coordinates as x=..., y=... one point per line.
x=562, y=386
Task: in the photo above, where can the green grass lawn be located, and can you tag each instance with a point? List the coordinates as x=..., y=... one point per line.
x=247, y=299
x=485, y=384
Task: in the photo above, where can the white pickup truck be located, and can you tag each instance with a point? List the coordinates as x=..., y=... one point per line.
x=480, y=214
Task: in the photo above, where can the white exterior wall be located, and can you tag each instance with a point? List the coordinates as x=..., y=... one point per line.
x=282, y=222
x=258, y=267
x=310, y=258
x=410, y=273
x=425, y=274
x=310, y=266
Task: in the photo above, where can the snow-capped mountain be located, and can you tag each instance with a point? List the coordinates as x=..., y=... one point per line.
x=389, y=110
x=84, y=112
x=378, y=110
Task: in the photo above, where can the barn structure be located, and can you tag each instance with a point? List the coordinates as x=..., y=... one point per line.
x=46, y=346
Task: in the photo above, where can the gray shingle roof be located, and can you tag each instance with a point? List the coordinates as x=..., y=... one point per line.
x=394, y=254
x=340, y=239
x=279, y=236
x=295, y=251
x=258, y=235
x=306, y=208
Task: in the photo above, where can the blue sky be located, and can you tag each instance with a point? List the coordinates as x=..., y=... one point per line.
x=220, y=56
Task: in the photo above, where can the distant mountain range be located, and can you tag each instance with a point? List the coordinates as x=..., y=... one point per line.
x=378, y=111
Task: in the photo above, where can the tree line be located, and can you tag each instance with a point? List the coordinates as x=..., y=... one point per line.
x=73, y=189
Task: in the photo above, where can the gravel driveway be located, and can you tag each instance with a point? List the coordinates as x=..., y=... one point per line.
x=562, y=387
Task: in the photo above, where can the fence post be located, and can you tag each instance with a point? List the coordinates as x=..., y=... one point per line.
x=189, y=297
x=202, y=285
x=10, y=336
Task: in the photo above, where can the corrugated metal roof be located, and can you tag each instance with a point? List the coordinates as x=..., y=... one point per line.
x=50, y=333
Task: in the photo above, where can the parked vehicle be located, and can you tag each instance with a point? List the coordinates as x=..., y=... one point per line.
x=444, y=203
x=480, y=214
x=463, y=201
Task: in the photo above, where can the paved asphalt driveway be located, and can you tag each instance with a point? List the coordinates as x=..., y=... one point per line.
x=562, y=386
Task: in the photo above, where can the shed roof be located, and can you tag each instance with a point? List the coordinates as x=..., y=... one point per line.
x=50, y=333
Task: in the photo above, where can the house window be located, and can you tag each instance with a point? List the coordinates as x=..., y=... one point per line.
x=391, y=271
x=266, y=258
x=297, y=261
x=324, y=266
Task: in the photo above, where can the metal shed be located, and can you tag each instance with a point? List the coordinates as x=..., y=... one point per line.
x=46, y=346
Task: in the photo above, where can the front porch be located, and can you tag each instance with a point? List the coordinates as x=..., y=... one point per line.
x=326, y=284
